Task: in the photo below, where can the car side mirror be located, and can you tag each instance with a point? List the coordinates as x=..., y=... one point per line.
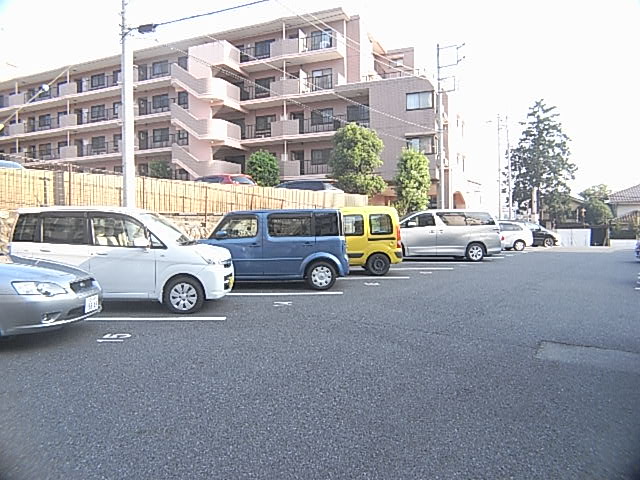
x=411, y=224
x=221, y=234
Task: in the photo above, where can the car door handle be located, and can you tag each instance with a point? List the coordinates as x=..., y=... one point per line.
x=254, y=244
x=440, y=231
x=307, y=244
x=45, y=250
x=102, y=253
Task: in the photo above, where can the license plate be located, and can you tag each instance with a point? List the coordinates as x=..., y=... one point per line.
x=91, y=303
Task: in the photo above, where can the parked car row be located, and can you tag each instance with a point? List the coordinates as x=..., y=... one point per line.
x=128, y=254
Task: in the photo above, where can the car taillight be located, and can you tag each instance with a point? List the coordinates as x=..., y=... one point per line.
x=398, y=239
x=501, y=237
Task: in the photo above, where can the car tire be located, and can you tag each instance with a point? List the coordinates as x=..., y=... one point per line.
x=548, y=242
x=321, y=275
x=519, y=245
x=183, y=295
x=378, y=264
x=475, y=252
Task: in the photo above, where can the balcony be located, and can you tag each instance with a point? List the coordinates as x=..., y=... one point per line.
x=319, y=47
x=302, y=126
x=310, y=167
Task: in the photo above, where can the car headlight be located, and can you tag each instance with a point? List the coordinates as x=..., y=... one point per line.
x=47, y=289
x=214, y=261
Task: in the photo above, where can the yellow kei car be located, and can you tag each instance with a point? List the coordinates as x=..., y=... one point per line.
x=373, y=237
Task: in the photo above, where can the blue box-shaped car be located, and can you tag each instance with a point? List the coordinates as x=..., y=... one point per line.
x=285, y=245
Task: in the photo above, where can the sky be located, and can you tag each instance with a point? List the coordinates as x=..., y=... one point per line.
x=581, y=56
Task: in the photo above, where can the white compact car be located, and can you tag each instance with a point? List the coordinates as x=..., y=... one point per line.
x=515, y=235
x=132, y=253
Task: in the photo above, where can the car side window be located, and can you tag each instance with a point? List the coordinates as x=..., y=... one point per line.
x=380, y=224
x=115, y=231
x=326, y=224
x=426, y=220
x=289, y=225
x=26, y=228
x=65, y=229
x=238, y=227
x=353, y=225
x=453, y=219
x=479, y=218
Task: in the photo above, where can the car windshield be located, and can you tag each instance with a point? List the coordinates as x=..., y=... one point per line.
x=243, y=180
x=163, y=228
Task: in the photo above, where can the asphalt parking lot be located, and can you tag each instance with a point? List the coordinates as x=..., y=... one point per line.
x=526, y=365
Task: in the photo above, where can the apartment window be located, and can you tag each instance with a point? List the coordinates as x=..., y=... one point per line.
x=263, y=86
x=116, y=109
x=357, y=113
x=60, y=115
x=323, y=116
x=98, y=144
x=263, y=124
x=183, y=62
x=419, y=100
x=322, y=79
x=321, y=39
x=44, y=151
x=117, y=138
x=142, y=72
x=160, y=103
x=183, y=99
x=60, y=84
x=61, y=145
x=397, y=62
x=31, y=151
x=98, y=113
x=424, y=144
x=263, y=48
x=321, y=157
x=116, y=76
x=160, y=137
x=160, y=68
x=182, y=137
x=44, y=121
x=98, y=81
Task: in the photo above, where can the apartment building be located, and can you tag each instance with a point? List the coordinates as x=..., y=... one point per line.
x=204, y=105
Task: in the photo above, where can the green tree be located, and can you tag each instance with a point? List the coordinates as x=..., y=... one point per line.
x=597, y=211
x=159, y=169
x=412, y=181
x=541, y=161
x=263, y=167
x=356, y=155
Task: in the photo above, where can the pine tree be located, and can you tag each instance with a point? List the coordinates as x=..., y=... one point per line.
x=541, y=161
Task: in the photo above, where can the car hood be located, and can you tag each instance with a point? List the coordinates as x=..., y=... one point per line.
x=211, y=252
x=14, y=269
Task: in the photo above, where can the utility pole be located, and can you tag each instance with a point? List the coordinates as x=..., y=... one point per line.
x=499, y=172
x=128, y=134
x=506, y=124
x=440, y=119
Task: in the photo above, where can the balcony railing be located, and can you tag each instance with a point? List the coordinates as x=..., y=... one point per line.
x=309, y=167
x=42, y=125
x=98, y=83
x=248, y=54
x=149, y=108
x=318, y=42
x=105, y=115
x=43, y=155
x=149, y=73
x=162, y=142
x=307, y=125
x=98, y=149
x=250, y=131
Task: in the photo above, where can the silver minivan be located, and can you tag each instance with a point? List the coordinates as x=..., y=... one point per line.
x=450, y=233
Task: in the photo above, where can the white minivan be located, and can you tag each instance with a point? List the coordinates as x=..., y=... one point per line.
x=133, y=253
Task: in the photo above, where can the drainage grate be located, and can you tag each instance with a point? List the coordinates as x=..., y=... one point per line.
x=592, y=356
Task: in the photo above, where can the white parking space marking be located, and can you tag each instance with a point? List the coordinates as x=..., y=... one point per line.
x=282, y=304
x=424, y=268
x=369, y=277
x=279, y=294
x=371, y=284
x=427, y=262
x=184, y=318
x=113, y=337
x=426, y=273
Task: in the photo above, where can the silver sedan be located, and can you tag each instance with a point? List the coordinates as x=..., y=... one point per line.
x=37, y=295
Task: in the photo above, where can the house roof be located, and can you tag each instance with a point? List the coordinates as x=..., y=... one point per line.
x=628, y=195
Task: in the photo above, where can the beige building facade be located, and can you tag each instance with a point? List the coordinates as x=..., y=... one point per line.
x=204, y=105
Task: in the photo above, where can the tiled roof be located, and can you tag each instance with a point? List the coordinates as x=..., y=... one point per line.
x=628, y=195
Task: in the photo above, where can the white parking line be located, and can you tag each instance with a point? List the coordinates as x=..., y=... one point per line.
x=423, y=268
x=279, y=294
x=184, y=318
x=372, y=278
